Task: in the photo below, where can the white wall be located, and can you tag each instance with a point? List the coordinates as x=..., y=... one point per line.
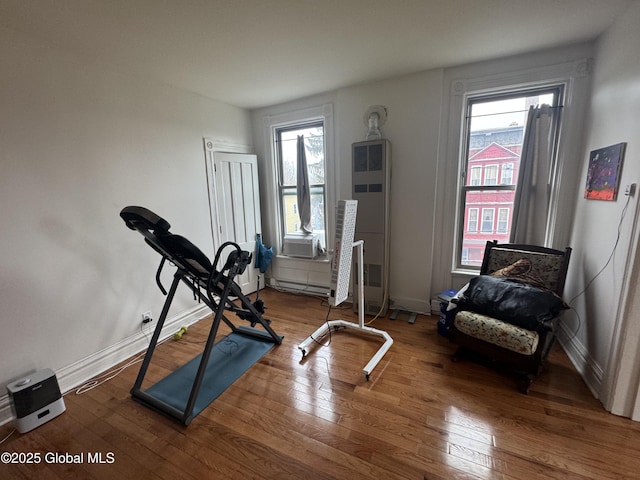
x=412, y=127
x=413, y=115
x=79, y=141
x=609, y=308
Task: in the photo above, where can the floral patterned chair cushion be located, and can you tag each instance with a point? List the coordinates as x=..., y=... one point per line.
x=497, y=332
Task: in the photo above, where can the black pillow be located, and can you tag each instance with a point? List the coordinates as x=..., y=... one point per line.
x=516, y=303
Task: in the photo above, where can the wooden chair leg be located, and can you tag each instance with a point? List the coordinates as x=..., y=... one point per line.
x=524, y=382
x=458, y=354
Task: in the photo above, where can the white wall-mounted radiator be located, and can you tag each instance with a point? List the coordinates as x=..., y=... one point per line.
x=371, y=179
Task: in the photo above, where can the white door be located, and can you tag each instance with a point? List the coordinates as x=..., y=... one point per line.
x=235, y=208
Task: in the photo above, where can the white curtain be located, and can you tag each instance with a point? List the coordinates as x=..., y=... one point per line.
x=531, y=202
x=303, y=190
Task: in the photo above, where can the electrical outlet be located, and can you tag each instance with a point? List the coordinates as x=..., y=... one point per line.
x=146, y=317
x=630, y=190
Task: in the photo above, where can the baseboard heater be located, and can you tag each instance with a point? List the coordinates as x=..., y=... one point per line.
x=297, y=287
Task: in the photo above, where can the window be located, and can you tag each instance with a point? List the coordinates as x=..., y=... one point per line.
x=503, y=219
x=476, y=176
x=472, y=224
x=506, y=177
x=493, y=136
x=487, y=220
x=286, y=139
x=491, y=175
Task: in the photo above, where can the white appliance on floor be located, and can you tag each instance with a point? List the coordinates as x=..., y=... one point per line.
x=35, y=399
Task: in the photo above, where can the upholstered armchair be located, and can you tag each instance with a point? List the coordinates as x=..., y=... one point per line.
x=509, y=313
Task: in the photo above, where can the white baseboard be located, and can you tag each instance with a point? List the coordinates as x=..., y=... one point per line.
x=586, y=366
x=407, y=304
x=294, y=287
x=78, y=373
x=412, y=305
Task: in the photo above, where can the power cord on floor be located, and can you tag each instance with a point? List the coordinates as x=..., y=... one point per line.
x=377, y=315
x=576, y=330
x=106, y=376
x=343, y=306
x=318, y=341
x=110, y=374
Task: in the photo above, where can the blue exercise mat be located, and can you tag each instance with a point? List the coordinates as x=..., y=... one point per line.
x=229, y=359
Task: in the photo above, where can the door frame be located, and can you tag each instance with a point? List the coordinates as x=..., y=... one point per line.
x=212, y=147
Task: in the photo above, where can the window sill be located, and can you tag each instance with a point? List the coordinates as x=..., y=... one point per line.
x=466, y=272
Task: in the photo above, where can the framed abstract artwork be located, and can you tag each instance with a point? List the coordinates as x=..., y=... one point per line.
x=603, y=175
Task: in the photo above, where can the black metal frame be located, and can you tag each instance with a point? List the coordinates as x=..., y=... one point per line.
x=202, y=278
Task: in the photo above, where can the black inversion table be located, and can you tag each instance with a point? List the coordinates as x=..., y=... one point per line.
x=184, y=393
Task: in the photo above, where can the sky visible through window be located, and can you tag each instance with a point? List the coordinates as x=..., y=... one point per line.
x=503, y=113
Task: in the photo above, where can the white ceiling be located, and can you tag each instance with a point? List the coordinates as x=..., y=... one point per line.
x=253, y=53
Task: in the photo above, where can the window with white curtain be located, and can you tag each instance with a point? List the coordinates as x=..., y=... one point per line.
x=281, y=214
x=493, y=135
x=285, y=139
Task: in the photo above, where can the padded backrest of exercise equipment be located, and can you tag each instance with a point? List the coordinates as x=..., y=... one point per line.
x=175, y=248
x=138, y=218
x=192, y=257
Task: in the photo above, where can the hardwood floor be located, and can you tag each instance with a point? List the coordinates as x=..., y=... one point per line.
x=420, y=416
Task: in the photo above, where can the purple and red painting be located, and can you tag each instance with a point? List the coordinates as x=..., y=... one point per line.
x=603, y=176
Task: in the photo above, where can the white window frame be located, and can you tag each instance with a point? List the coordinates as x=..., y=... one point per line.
x=493, y=220
x=475, y=175
x=274, y=213
x=465, y=164
x=491, y=168
x=475, y=228
x=503, y=211
x=507, y=179
x=282, y=188
x=571, y=68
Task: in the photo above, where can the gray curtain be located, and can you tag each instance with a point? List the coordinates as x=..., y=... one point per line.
x=303, y=190
x=531, y=202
